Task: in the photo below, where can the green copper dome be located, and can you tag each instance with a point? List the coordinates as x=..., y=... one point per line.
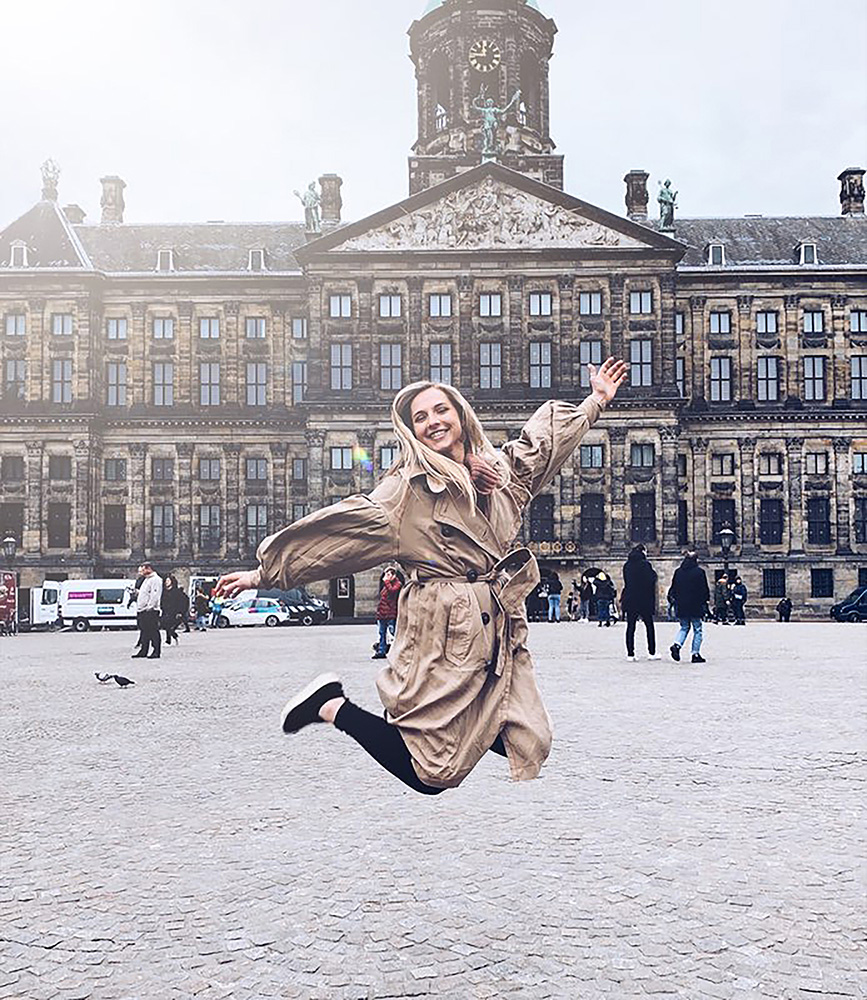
x=433, y=4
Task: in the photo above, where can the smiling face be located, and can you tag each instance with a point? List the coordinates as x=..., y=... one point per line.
x=436, y=423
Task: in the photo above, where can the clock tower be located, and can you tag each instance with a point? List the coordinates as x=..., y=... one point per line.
x=482, y=73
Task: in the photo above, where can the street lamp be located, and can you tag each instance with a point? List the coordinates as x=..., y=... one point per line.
x=726, y=537
x=9, y=546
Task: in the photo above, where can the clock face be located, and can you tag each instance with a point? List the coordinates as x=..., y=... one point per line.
x=485, y=55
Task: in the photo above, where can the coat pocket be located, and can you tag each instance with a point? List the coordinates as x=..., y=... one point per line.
x=463, y=629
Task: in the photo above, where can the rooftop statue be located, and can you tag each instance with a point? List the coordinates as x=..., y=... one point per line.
x=667, y=203
x=311, y=201
x=50, y=177
x=491, y=118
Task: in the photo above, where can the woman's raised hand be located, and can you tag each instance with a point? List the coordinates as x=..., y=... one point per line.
x=233, y=584
x=484, y=476
x=607, y=379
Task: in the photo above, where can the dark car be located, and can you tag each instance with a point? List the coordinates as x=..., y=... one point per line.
x=852, y=608
x=302, y=606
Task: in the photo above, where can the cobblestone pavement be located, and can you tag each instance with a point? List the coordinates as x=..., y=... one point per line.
x=696, y=832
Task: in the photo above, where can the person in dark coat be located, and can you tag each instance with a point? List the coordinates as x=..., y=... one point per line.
x=386, y=610
x=173, y=606
x=784, y=609
x=586, y=594
x=638, y=600
x=739, y=600
x=690, y=593
x=202, y=607
x=555, y=591
x=606, y=594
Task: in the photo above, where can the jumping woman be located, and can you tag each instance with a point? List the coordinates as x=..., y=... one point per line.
x=459, y=679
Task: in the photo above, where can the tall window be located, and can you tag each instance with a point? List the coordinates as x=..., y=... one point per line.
x=16, y=324
x=814, y=378
x=390, y=370
x=61, y=324
x=210, y=470
x=641, y=362
x=678, y=324
x=299, y=328
x=15, y=379
x=589, y=353
x=300, y=510
x=165, y=260
x=209, y=328
x=821, y=583
x=61, y=381
x=441, y=363
x=814, y=321
x=859, y=463
x=490, y=305
x=299, y=381
x=771, y=522
x=209, y=527
x=389, y=306
x=341, y=458
x=592, y=456
x=540, y=365
x=542, y=519
x=114, y=526
x=439, y=305
x=387, y=456
x=59, y=468
x=257, y=384
x=162, y=470
x=773, y=583
x=163, y=328
x=861, y=519
x=807, y=253
x=858, y=321
x=722, y=514
x=642, y=456
x=816, y=463
x=858, y=370
x=257, y=525
x=164, y=383
x=255, y=327
x=12, y=520
x=819, y=521
x=115, y=470
x=162, y=525
x=766, y=322
x=490, y=366
x=540, y=304
x=720, y=380
x=716, y=254
x=341, y=367
x=770, y=463
x=116, y=384
x=209, y=383
x=299, y=470
x=340, y=306
x=682, y=523
x=768, y=383
x=640, y=303
x=722, y=464
x=680, y=377
x=592, y=518
x=590, y=303
x=256, y=470
x=256, y=260
x=59, y=525
x=115, y=328
x=721, y=322
x=643, y=517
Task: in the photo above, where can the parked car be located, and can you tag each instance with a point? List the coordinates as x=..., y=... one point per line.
x=254, y=611
x=304, y=608
x=852, y=608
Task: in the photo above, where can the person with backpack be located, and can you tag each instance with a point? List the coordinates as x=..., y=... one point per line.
x=690, y=594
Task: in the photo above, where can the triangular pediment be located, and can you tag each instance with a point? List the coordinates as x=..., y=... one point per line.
x=491, y=208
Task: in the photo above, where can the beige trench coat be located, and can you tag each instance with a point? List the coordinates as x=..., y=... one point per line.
x=459, y=672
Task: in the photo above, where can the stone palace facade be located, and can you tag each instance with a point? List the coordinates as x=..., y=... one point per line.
x=178, y=391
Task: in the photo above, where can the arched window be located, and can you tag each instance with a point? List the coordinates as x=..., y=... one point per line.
x=529, y=111
x=441, y=91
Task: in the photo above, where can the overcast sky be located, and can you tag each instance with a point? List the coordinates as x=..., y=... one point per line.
x=218, y=109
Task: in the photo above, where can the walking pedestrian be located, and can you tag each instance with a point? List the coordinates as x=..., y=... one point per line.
x=573, y=600
x=386, y=610
x=638, y=600
x=586, y=597
x=690, y=593
x=202, y=607
x=784, y=610
x=217, y=603
x=171, y=606
x=606, y=594
x=555, y=590
x=148, y=612
x=721, y=600
x=739, y=600
x=459, y=679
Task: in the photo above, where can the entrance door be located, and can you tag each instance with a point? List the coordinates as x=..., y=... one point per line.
x=343, y=597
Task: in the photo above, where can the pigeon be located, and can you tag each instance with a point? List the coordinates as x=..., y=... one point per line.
x=121, y=681
x=102, y=678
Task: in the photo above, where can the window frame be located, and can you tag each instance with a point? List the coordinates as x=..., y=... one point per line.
x=339, y=305
x=340, y=458
x=595, y=455
x=209, y=328
x=164, y=391
x=720, y=322
x=61, y=384
x=163, y=327
x=594, y=348
x=115, y=388
x=591, y=300
x=256, y=388
x=641, y=367
x=858, y=376
x=438, y=369
x=490, y=305
x=641, y=302
x=641, y=450
x=772, y=522
x=540, y=369
x=819, y=531
x=162, y=526
x=255, y=327
x=642, y=524
x=490, y=370
x=819, y=462
x=65, y=321
x=14, y=321
x=209, y=386
x=391, y=370
x=768, y=381
x=343, y=368
x=720, y=378
x=116, y=328
x=812, y=380
x=435, y=303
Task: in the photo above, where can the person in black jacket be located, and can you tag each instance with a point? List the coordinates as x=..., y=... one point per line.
x=638, y=600
x=690, y=593
x=173, y=607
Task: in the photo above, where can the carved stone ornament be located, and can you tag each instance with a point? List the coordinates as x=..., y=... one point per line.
x=489, y=215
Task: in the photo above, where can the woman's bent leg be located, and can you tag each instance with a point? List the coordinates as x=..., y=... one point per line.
x=383, y=742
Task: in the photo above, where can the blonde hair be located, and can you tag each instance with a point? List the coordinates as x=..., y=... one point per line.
x=454, y=475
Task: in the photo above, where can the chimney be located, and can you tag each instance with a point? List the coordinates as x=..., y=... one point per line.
x=852, y=191
x=330, y=185
x=112, y=199
x=636, y=195
x=75, y=214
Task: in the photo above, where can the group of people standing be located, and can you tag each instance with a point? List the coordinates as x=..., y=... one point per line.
x=729, y=600
x=159, y=604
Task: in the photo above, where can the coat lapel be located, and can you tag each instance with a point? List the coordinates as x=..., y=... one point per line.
x=476, y=526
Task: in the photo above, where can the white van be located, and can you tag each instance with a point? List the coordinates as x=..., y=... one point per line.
x=86, y=604
x=38, y=606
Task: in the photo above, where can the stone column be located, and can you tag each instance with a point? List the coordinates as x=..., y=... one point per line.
x=230, y=358
x=467, y=346
x=315, y=468
x=617, y=506
x=139, y=377
x=232, y=458
x=746, y=348
x=747, y=534
x=34, y=516
x=564, y=360
x=667, y=337
x=186, y=500
x=279, y=507
x=698, y=349
x=617, y=322
x=279, y=354
x=700, y=497
x=365, y=341
x=838, y=369
x=517, y=336
x=139, y=514
x=796, y=508
x=790, y=337
x=38, y=359
x=83, y=516
x=669, y=494
x=317, y=349
x=843, y=493
x=417, y=363
x=186, y=379
x=367, y=477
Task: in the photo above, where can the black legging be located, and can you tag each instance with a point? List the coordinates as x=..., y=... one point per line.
x=631, y=618
x=385, y=744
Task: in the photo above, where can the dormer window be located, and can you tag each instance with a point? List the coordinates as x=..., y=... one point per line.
x=18, y=257
x=256, y=261
x=807, y=253
x=716, y=254
x=166, y=260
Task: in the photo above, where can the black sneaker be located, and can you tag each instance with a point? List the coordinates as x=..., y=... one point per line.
x=303, y=709
x=698, y=658
x=675, y=652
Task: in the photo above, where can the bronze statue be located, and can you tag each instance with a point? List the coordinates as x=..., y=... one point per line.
x=311, y=201
x=491, y=117
x=667, y=203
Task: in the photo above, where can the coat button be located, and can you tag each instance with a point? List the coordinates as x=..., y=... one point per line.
x=472, y=575
x=447, y=531
x=485, y=618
